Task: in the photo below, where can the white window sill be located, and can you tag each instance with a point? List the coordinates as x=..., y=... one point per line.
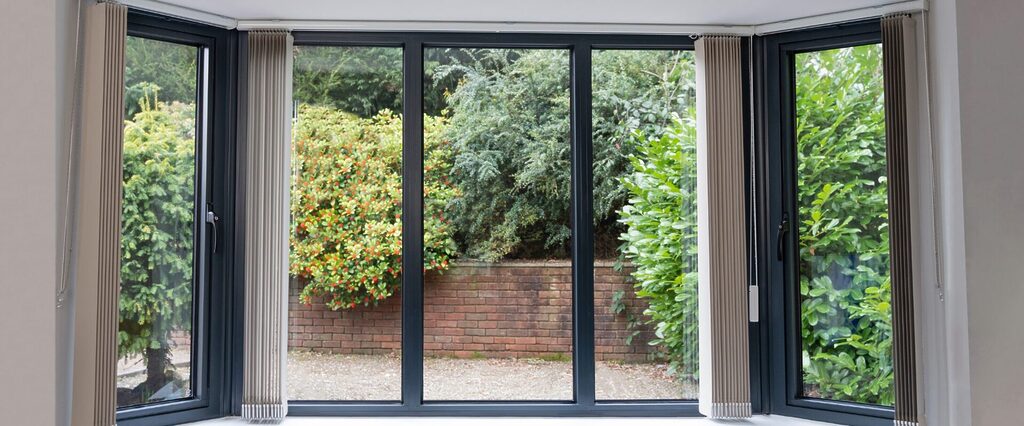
x=518, y=421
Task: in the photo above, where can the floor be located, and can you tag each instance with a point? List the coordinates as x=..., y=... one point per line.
x=522, y=421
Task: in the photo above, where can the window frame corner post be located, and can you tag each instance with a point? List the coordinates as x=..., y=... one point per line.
x=237, y=320
x=757, y=219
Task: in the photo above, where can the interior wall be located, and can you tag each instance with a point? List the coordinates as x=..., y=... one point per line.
x=947, y=386
x=29, y=122
x=977, y=99
x=66, y=22
x=991, y=59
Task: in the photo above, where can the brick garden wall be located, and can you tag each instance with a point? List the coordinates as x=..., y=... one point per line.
x=505, y=309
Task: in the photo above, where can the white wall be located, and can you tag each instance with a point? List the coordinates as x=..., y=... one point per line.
x=976, y=68
x=976, y=78
x=33, y=101
x=66, y=26
x=946, y=389
x=991, y=63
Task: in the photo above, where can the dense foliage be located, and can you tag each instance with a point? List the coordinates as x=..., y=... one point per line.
x=366, y=80
x=635, y=92
x=496, y=155
x=510, y=133
x=157, y=233
x=661, y=237
x=359, y=80
x=152, y=65
x=346, y=205
x=843, y=226
x=510, y=128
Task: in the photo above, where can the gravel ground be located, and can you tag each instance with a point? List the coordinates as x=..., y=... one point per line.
x=316, y=376
x=132, y=371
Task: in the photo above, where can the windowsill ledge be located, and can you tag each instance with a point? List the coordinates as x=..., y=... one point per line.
x=533, y=421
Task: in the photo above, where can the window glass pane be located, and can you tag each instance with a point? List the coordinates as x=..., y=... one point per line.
x=158, y=223
x=498, y=281
x=345, y=318
x=846, y=318
x=645, y=230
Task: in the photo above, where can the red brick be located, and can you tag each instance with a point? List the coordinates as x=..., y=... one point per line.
x=480, y=303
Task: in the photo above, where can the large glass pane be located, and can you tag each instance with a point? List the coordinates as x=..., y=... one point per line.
x=645, y=230
x=498, y=281
x=345, y=318
x=158, y=223
x=846, y=318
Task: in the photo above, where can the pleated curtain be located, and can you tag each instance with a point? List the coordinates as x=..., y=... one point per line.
x=724, y=387
x=266, y=159
x=900, y=74
x=97, y=229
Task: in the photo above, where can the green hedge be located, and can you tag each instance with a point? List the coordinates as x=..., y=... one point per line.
x=844, y=233
x=157, y=234
x=661, y=237
x=509, y=124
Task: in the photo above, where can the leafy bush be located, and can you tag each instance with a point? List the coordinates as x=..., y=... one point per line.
x=510, y=131
x=510, y=128
x=346, y=205
x=359, y=80
x=844, y=238
x=175, y=77
x=635, y=91
x=661, y=237
x=157, y=233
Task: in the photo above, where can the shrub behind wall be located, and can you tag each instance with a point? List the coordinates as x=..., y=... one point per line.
x=346, y=205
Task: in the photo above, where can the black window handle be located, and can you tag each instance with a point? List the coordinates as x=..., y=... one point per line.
x=780, y=234
x=212, y=219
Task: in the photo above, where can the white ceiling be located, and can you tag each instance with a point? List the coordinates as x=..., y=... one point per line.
x=671, y=12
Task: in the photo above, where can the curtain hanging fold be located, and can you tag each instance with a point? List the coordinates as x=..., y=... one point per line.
x=97, y=257
x=721, y=230
x=268, y=130
x=899, y=68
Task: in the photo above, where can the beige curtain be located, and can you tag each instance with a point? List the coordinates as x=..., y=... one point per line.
x=721, y=231
x=97, y=251
x=900, y=72
x=267, y=148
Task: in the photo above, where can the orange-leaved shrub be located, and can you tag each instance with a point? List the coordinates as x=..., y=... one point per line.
x=346, y=205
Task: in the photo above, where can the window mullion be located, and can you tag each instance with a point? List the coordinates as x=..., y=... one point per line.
x=582, y=224
x=412, y=225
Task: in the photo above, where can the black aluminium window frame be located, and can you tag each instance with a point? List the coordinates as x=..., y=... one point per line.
x=580, y=48
x=778, y=197
x=213, y=297
x=771, y=376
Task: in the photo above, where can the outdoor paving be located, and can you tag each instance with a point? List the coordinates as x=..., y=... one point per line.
x=316, y=376
x=132, y=371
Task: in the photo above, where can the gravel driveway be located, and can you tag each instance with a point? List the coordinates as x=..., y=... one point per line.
x=316, y=376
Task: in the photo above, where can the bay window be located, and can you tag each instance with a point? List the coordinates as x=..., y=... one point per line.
x=507, y=223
